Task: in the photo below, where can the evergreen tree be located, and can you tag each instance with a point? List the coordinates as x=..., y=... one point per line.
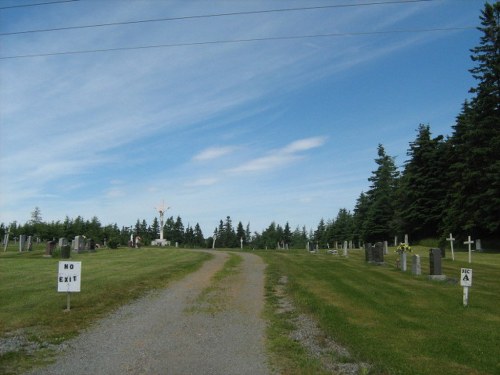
x=379, y=222
x=423, y=187
x=240, y=233
x=199, y=240
x=287, y=234
x=473, y=201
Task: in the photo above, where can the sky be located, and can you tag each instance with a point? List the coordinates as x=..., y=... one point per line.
x=219, y=109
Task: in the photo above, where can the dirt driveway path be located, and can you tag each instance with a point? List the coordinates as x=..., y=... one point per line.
x=184, y=329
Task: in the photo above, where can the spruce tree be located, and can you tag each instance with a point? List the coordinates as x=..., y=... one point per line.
x=474, y=198
x=379, y=222
x=423, y=188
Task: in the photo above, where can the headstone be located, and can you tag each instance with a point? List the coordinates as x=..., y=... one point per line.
x=406, y=239
x=386, y=248
x=91, y=245
x=478, y=245
x=350, y=244
x=416, y=268
x=395, y=240
x=345, y=249
x=29, y=243
x=368, y=252
x=62, y=242
x=79, y=244
x=435, y=272
x=403, y=261
x=378, y=253
x=49, y=248
x=22, y=242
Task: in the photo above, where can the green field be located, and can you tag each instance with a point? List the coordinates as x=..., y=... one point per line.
x=31, y=306
x=397, y=322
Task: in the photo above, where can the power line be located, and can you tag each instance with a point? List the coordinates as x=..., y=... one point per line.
x=37, y=4
x=212, y=16
x=290, y=37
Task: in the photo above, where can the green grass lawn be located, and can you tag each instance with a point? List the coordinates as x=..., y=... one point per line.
x=30, y=301
x=400, y=323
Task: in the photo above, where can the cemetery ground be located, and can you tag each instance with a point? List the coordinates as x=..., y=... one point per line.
x=377, y=317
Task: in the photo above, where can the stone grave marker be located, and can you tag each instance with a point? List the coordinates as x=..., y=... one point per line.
x=49, y=248
x=378, y=253
x=406, y=239
x=29, y=243
x=62, y=242
x=478, y=245
x=368, y=252
x=22, y=242
x=435, y=272
x=79, y=244
x=416, y=268
x=403, y=261
x=386, y=248
x=346, y=252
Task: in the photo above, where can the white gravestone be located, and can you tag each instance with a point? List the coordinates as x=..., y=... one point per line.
x=403, y=262
x=478, y=245
x=22, y=242
x=386, y=248
x=346, y=253
x=416, y=268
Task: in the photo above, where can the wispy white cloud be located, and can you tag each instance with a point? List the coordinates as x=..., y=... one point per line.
x=279, y=157
x=207, y=181
x=213, y=153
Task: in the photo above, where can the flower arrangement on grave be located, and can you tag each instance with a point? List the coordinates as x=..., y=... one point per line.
x=403, y=248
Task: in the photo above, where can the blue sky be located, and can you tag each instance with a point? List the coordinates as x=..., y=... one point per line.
x=262, y=131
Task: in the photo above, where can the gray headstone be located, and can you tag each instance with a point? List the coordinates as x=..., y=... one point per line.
x=345, y=249
x=22, y=242
x=62, y=242
x=416, y=268
x=378, y=253
x=435, y=261
x=478, y=245
x=79, y=244
x=406, y=239
x=386, y=248
x=368, y=252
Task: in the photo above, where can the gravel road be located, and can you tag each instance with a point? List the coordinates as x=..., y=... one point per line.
x=172, y=331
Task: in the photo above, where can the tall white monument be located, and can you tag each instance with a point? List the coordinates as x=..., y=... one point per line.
x=161, y=211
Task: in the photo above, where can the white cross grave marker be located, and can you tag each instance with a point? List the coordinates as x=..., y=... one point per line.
x=469, y=242
x=451, y=239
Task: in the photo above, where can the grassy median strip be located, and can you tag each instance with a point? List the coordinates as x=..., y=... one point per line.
x=33, y=312
x=397, y=322
x=212, y=299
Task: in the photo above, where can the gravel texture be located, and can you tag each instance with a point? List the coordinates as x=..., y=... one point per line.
x=167, y=332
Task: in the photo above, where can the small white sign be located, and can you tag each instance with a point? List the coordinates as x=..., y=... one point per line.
x=466, y=277
x=69, y=276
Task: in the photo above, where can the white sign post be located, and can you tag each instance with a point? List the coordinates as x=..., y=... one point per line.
x=69, y=279
x=466, y=282
x=469, y=242
x=451, y=239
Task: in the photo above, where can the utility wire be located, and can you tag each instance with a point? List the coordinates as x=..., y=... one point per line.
x=291, y=37
x=212, y=15
x=37, y=4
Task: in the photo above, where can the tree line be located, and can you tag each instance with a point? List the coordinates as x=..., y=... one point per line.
x=447, y=185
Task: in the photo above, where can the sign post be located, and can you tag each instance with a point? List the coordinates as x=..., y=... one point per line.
x=466, y=282
x=69, y=279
